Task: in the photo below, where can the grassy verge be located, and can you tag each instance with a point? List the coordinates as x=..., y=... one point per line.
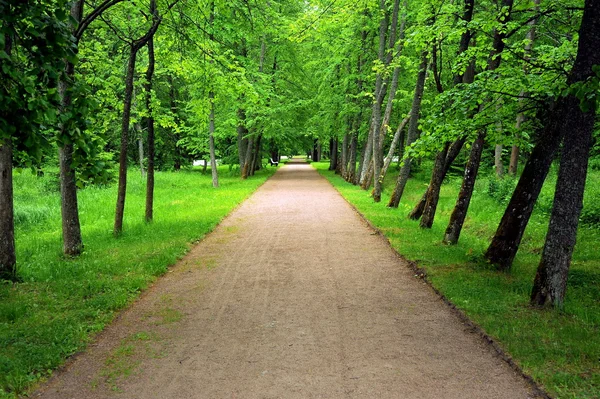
x=61, y=303
x=559, y=349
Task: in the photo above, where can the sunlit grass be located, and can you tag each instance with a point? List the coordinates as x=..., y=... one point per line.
x=560, y=349
x=60, y=303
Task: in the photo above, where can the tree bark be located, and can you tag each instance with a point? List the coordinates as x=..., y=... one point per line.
x=248, y=159
x=150, y=125
x=498, y=165
x=8, y=258
x=388, y=159
x=71, y=227
x=376, y=120
x=466, y=191
x=122, y=188
x=344, y=155
x=211, y=140
x=432, y=193
x=134, y=47
x=464, y=197
x=413, y=130
x=514, y=154
x=566, y=119
x=242, y=131
x=333, y=149
x=550, y=283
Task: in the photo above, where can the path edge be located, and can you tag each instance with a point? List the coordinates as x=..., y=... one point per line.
x=42, y=385
x=421, y=273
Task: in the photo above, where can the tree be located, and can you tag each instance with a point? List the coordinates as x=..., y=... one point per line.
x=34, y=42
x=577, y=114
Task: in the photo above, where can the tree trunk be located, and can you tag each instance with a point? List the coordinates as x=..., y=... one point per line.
x=150, y=125
x=333, y=148
x=432, y=196
x=122, y=188
x=514, y=155
x=248, y=159
x=344, y=161
x=351, y=174
x=464, y=197
x=466, y=191
x=550, y=283
x=432, y=193
x=8, y=259
x=412, y=131
x=256, y=158
x=140, y=149
x=242, y=131
x=498, y=165
x=211, y=140
x=388, y=159
x=71, y=227
x=566, y=119
x=376, y=119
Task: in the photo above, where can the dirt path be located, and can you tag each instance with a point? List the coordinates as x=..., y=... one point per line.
x=293, y=296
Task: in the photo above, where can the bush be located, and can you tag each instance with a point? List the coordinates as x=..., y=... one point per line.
x=501, y=189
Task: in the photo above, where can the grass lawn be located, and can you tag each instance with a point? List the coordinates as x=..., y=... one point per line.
x=61, y=303
x=559, y=349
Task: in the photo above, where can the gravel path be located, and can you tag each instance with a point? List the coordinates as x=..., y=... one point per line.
x=292, y=296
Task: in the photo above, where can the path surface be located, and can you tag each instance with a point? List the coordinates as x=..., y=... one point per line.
x=292, y=296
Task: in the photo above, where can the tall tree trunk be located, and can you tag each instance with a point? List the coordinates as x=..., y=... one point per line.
x=134, y=47
x=464, y=197
x=150, y=125
x=344, y=161
x=351, y=178
x=430, y=198
x=550, y=283
x=71, y=227
x=566, y=119
x=498, y=165
x=248, y=159
x=242, y=131
x=413, y=130
x=514, y=154
x=376, y=119
x=459, y=213
x=256, y=157
x=388, y=159
x=333, y=148
x=8, y=259
x=138, y=128
x=122, y=188
x=211, y=140
x=211, y=117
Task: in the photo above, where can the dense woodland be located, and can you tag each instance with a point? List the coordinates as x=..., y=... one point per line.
x=97, y=88
x=100, y=98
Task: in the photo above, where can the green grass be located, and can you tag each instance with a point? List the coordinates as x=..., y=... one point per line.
x=559, y=349
x=61, y=303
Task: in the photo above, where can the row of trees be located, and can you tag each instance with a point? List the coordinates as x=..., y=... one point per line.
x=235, y=80
x=83, y=80
x=467, y=76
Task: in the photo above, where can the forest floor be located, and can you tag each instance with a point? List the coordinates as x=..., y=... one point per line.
x=292, y=296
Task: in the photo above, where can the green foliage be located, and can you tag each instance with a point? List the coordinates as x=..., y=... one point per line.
x=61, y=303
x=501, y=189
